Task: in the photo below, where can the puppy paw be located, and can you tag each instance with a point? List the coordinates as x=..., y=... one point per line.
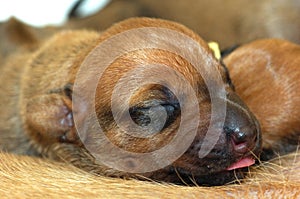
x=49, y=117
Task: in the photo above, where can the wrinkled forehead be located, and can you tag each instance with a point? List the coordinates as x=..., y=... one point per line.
x=153, y=74
x=151, y=66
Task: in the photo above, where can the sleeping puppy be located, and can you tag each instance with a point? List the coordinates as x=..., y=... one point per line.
x=278, y=178
x=266, y=76
x=62, y=102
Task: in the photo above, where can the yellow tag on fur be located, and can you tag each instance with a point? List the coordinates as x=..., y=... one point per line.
x=215, y=48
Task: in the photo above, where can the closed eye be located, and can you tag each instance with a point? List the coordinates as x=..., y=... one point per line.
x=154, y=113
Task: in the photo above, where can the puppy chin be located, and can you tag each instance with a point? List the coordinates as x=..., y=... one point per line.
x=181, y=176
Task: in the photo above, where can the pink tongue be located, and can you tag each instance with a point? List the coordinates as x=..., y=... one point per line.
x=241, y=163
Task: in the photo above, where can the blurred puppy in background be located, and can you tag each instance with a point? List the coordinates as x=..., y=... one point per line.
x=229, y=23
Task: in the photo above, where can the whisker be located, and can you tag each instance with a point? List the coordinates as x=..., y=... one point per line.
x=179, y=176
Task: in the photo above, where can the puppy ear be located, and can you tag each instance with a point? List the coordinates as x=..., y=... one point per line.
x=50, y=117
x=17, y=34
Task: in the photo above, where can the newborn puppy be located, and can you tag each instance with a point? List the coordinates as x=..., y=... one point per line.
x=266, y=76
x=47, y=108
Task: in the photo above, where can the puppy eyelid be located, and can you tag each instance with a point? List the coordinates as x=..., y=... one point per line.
x=141, y=113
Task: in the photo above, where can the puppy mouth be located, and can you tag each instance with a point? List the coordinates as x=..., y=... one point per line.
x=235, y=161
x=247, y=160
x=180, y=176
x=232, y=173
x=220, y=166
x=244, y=162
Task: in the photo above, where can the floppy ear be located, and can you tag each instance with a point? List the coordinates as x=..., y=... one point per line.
x=50, y=117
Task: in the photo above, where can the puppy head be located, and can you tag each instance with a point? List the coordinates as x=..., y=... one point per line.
x=155, y=99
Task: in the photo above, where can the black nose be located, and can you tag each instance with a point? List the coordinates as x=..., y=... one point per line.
x=240, y=127
x=240, y=136
x=242, y=139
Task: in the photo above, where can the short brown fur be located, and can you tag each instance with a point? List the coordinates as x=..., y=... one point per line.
x=33, y=88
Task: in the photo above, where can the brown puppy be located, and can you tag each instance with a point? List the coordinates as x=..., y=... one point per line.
x=33, y=177
x=230, y=23
x=47, y=93
x=266, y=76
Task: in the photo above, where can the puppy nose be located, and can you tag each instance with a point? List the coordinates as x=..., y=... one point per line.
x=242, y=139
x=240, y=127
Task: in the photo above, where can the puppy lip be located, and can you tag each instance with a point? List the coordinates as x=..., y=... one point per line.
x=244, y=162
